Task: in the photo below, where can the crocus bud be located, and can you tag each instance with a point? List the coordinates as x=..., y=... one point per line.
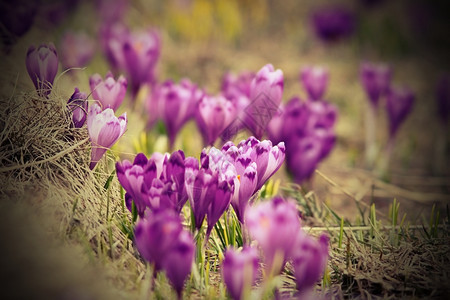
x=309, y=260
x=315, y=81
x=239, y=270
x=78, y=105
x=273, y=224
x=104, y=130
x=76, y=49
x=42, y=66
x=214, y=114
x=333, y=23
x=109, y=92
x=443, y=98
x=399, y=104
x=375, y=79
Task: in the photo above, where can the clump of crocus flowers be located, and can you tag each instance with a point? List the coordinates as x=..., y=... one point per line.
x=306, y=127
x=376, y=80
x=276, y=228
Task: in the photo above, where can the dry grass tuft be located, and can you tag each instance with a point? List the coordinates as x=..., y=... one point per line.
x=45, y=166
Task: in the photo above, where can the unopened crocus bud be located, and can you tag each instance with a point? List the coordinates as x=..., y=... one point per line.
x=76, y=49
x=42, y=66
x=309, y=259
x=273, y=224
x=214, y=114
x=315, y=81
x=239, y=270
x=78, y=105
x=375, y=79
x=109, y=92
x=399, y=104
x=104, y=130
x=443, y=98
x=333, y=23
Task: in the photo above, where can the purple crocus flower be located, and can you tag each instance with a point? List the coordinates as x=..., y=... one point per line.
x=333, y=23
x=275, y=126
x=104, y=130
x=136, y=179
x=266, y=92
x=399, y=104
x=175, y=104
x=309, y=260
x=315, y=81
x=112, y=37
x=209, y=187
x=239, y=270
x=268, y=81
x=179, y=261
x=214, y=114
x=255, y=162
x=308, y=130
x=302, y=157
x=76, y=49
x=162, y=241
x=78, y=105
x=109, y=92
x=141, y=53
x=42, y=66
x=443, y=98
x=375, y=79
x=273, y=224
